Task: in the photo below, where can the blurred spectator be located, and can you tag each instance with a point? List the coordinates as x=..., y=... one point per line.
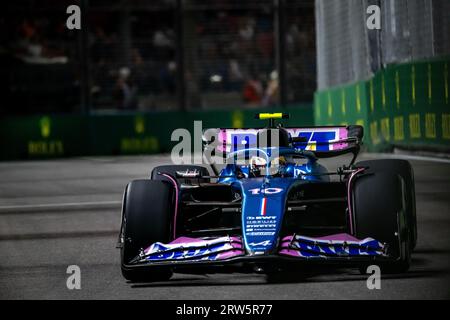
x=271, y=92
x=125, y=91
x=236, y=76
x=253, y=91
x=30, y=47
x=163, y=42
x=229, y=54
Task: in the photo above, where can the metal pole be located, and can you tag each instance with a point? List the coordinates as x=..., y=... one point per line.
x=85, y=77
x=179, y=34
x=125, y=33
x=280, y=34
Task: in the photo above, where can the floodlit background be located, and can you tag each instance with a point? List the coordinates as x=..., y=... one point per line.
x=83, y=101
x=159, y=55
x=138, y=69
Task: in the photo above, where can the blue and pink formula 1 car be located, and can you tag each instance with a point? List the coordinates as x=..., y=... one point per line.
x=271, y=207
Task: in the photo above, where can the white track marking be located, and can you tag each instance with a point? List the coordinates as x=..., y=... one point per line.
x=61, y=206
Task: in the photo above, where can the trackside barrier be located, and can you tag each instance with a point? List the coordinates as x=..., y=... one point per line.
x=53, y=136
x=405, y=105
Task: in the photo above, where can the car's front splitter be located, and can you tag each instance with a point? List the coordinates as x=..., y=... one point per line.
x=225, y=250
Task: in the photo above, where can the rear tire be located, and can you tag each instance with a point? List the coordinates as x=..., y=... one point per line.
x=405, y=170
x=379, y=213
x=147, y=214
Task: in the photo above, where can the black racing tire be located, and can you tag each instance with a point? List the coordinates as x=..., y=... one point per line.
x=405, y=170
x=379, y=213
x=172, y=170
x=147, y=217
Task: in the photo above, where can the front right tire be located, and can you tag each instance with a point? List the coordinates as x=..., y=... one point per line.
x=404, y=169
x=379, y=212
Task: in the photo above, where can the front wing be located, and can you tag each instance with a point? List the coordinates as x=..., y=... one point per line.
x=223, y=250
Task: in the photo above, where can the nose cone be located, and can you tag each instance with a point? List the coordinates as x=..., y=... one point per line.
x=262, y=214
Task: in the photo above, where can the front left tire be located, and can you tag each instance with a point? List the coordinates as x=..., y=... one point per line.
x=148, y=208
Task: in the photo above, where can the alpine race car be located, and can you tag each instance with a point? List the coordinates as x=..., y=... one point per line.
x=278, y=208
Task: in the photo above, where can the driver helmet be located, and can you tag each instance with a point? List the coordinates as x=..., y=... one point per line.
x=277, y=165
x=258, y=166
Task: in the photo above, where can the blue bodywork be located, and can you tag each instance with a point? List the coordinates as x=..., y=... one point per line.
x=264, y=195
x=260, y=192
x=264, y=198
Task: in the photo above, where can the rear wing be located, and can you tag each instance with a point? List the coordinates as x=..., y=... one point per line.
x=324, y=142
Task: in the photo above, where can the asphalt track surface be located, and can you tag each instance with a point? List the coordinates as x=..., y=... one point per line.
x=67, y=212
